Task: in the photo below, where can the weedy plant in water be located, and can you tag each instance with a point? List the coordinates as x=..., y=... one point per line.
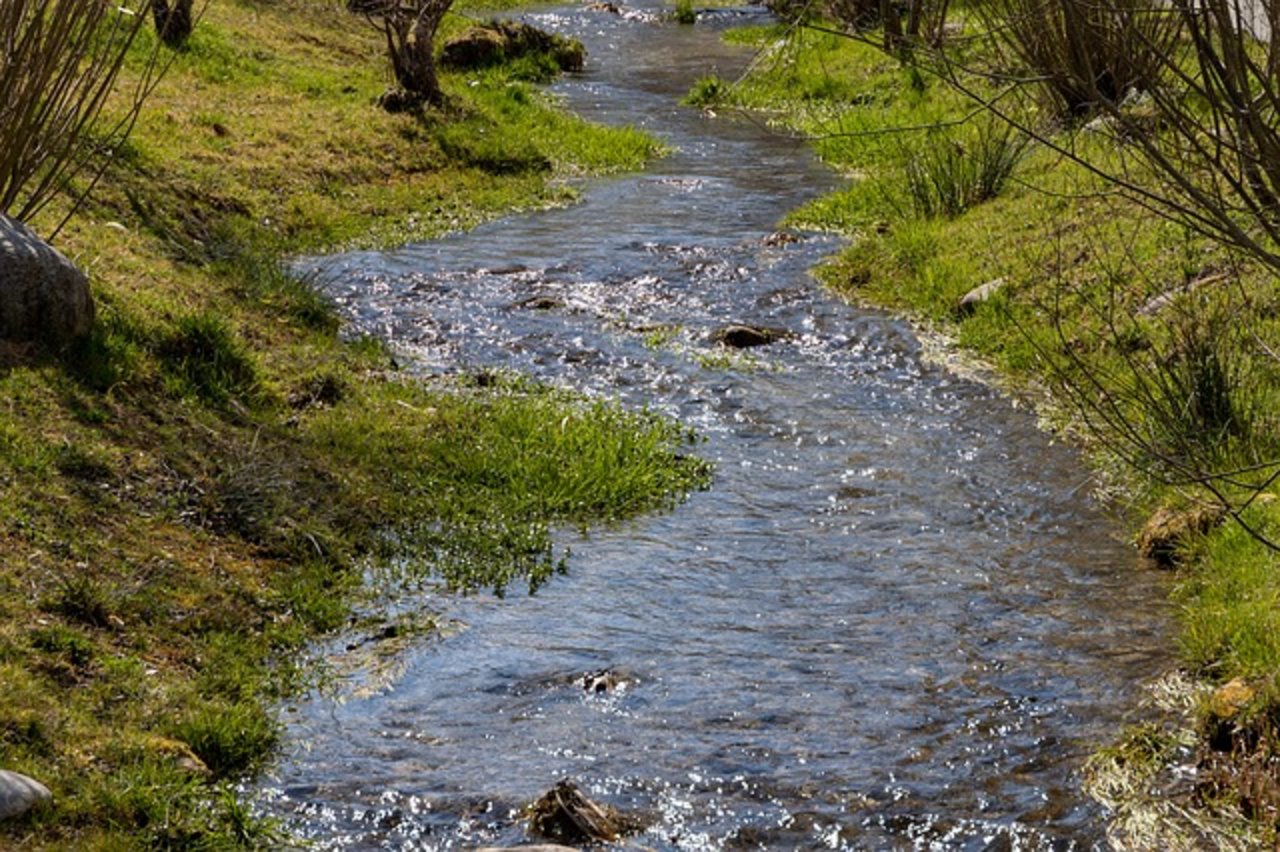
x=706, y=91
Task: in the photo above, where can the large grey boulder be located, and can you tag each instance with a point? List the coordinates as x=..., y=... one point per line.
x=44, y=298
x=19, y=794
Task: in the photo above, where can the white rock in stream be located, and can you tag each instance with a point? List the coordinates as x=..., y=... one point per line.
x=19, y=794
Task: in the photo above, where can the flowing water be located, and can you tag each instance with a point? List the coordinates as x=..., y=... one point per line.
x=895, y=621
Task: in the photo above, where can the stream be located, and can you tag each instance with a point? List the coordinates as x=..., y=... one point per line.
x=896, y=620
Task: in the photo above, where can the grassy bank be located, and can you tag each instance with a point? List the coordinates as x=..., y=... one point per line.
x=190, y=495
x=1086, y=291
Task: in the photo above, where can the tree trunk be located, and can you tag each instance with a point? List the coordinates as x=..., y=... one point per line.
x=410, y=30
x=415, y=66
x=892, y=25
x=173, y=23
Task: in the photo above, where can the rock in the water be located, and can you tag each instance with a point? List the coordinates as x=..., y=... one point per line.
x=44, y=298
x=498, y=41
x=969, y=301
x=565, y=815
x=780, y=238
x=540, y=303
x=1166, y=534
x=603, y=681
x=19, y=794
x=747, y=336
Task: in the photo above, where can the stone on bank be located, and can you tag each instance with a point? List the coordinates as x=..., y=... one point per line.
x=44, y=298
x=19, y=794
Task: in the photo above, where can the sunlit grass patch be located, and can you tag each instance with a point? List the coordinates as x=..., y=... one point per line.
x=195, y=491
x=473, y=474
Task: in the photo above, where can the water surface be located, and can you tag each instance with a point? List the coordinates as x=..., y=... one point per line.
x=895, y=621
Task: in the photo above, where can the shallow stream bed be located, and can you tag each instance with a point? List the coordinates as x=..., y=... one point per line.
x=895, y=620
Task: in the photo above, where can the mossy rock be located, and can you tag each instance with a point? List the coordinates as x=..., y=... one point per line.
x=1167, y=533
x=501, y=41
x=44, y=298
x=565, y=815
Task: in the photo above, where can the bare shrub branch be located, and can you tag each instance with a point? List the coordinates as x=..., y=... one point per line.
x=59, y=63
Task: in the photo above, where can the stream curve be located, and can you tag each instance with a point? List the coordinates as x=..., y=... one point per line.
x=895, y=621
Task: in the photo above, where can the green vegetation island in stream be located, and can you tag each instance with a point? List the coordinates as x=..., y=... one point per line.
x=202, y=485
x=1104, y=240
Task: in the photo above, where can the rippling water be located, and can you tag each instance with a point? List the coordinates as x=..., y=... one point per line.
x=894, y=621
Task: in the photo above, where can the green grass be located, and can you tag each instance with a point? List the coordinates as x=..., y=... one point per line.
x=490, y=469
x=1230, y=605
x=269, y=117
x=197, y=490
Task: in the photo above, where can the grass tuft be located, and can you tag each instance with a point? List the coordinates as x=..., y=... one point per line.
x=232, y=739
x=953, y=173
x=206, y=358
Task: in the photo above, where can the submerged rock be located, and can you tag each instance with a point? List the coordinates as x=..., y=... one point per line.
x=1167, y=533
x=540, y=303
x=44, y=298
x=566, y=815
x=739, y=336
x=603, y=681
x=780, y=238
x=19, y=794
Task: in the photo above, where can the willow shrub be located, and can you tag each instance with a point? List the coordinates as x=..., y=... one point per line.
x=60, y=62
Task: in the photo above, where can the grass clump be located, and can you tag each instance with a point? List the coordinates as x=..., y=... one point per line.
x=948, y=175
x=206, y=358
x=231, y=739
x=495, y=468
x=706, y=92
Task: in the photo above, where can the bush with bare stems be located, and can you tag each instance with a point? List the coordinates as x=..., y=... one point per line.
x=905, y=24
x=59, y=63
x=1204, y=148
x=1187, y=93
x=1176, y=387
x=1083, y=53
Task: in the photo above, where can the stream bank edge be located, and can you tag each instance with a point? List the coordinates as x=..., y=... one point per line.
x=191, y=495
x=927, y=268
